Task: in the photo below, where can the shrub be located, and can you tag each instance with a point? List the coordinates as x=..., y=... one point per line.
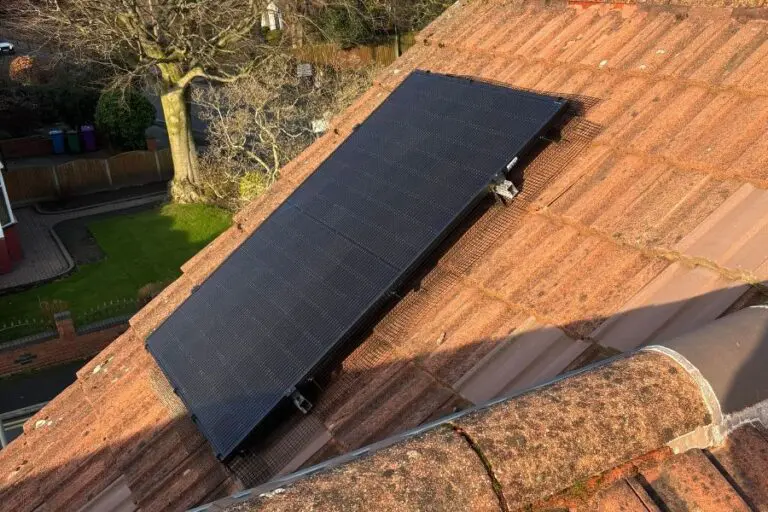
x=252, y=185
x=347, y=27
x=124, y=116
x=21, y=70
x=75, y=106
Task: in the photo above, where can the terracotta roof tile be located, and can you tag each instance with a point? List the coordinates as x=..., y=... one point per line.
x=153, y=460
x=723, y=478
x=119, y=354
x=735, y=234
x=741, y=42
x=56, y=451
x=664, y=124
x=531, y=354
x=726, y=477
x=639, y=203
x=191, y=481
x=569, y=279
x=678, y=300
x=403, y=394
x=751, y=164
x=744, y=456
x=461, y=326
x=691, y=482
x=92, y=476
x=622, y=497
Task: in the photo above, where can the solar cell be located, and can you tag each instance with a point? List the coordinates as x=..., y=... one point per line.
x=326, y=260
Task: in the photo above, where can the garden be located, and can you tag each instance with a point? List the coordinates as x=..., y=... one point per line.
x=137, y=254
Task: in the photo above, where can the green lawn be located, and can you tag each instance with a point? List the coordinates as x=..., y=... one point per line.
x=140, y=248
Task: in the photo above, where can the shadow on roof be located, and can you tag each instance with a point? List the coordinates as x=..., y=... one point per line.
x=389, y=397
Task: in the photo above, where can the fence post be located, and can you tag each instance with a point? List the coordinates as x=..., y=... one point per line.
x=106, y=169
x=157, y=166
x=56, y=184
x=65, y=325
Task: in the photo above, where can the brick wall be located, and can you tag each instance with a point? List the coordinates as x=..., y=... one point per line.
x=69, y=346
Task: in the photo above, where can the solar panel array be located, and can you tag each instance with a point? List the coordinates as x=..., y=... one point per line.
x=331, y=255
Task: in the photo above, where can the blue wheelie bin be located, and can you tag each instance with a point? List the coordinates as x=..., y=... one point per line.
x=57, y=137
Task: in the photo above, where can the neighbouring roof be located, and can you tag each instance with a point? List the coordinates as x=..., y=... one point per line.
x=647, y=219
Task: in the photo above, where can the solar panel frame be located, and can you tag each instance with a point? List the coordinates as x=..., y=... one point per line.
x=319, y=203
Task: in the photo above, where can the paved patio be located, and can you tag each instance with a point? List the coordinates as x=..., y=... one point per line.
x=45, y=257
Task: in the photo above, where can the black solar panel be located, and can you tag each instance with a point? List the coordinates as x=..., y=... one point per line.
x=332, y=254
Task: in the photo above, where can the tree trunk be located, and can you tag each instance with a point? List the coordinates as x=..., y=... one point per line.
x=183, y=151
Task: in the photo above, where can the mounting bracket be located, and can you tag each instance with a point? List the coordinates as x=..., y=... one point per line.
x=505, y=189
x=502, y=187
x=301, y=402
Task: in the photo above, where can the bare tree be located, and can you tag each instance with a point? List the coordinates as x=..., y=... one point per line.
x=261, y=122
x=169, y=43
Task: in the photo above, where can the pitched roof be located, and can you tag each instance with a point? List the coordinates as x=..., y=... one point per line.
x=647, y=219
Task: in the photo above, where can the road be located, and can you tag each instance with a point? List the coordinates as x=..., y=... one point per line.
x=36, y=387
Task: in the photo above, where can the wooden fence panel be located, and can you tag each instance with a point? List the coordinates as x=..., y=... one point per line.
x=30, y=183
x=133, y=168
x=330, y=54
x=322, y=53
x=25, y=147
x=82, y=176
x=166, y=163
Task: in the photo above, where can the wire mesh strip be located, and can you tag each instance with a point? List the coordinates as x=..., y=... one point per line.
x=499, y=220
x=371, y=354
x=481, y=237
x=576, y=135
x=397, y=323
x=265, y=459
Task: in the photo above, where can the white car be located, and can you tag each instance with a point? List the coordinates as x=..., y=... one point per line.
x=6, y=48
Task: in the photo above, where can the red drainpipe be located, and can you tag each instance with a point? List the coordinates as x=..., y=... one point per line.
x=12, y=242
x=5, y=257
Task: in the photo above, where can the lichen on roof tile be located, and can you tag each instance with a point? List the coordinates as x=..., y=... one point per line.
x=436, y=471
x=541, y=442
